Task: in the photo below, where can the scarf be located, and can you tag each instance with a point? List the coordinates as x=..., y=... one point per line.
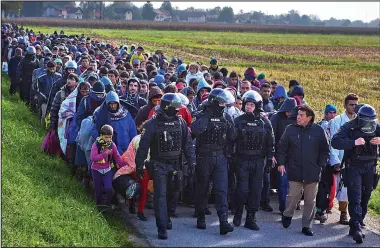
x=101, y=144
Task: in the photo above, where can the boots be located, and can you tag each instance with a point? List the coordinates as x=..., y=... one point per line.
x=250, y=222
x=343, y=218
x=201, y=219
x=238, y=215
x=356, y=232
x=225, y=227
x=162, y=234
x=169, y=225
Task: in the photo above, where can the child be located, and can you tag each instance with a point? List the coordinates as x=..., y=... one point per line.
x=103, y=153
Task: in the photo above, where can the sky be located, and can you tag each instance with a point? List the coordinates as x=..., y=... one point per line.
x=364, y=11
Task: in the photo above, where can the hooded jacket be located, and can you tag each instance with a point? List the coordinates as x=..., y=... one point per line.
x=135, y=100
x=280, y=91
x=202, y=84
x=122, y=122
x=143, y=113
x=297, y=91
x=280, y=120
x=87, y=106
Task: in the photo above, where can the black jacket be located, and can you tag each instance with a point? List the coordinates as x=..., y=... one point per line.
x=279, y=123
x=149, y=139
x=304, y=151
x=12, y=66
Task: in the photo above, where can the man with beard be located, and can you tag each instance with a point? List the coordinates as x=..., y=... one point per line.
x=132, y=96
x=70, y=67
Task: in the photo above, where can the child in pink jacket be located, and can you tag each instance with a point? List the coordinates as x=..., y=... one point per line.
x=104, y=154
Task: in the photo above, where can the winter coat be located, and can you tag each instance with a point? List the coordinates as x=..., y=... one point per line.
x=122, y=122
x=100, y=160
x=202, y=84
x=45, y=84
x=304, y=151
x=12, y=66
x=60, y=96
x=143, y=113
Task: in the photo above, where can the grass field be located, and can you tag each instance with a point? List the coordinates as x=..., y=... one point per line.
x=328, y=66
x=42, y=205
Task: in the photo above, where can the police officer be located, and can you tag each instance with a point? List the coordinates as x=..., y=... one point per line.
x=25, y=71
x=254, y=145
x=214, y=132
x=167, y=136
x=359, y=138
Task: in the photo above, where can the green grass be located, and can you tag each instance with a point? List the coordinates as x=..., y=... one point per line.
x=42, y=205
x=374, y=203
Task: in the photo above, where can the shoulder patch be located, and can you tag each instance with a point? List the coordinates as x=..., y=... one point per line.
x=143, y=131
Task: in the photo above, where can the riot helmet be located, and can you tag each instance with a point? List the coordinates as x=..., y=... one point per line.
x=367, y=119
x=170, y=104
x=254, y=97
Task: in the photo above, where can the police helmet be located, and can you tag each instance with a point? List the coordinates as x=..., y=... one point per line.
x=367, y=119
x=71, y=65
x=31, y=50
x=254, y=97
x=170, y=104
x=219, y=96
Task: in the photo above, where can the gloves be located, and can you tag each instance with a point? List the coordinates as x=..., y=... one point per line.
x=140, y=173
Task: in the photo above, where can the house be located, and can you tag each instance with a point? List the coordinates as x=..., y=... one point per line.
x=162, y=15
x=52, y=11
x=196, y=17
x=211, y=18
x=126, y=12
x=71, y=12
x=243, y=18
x=190, y=16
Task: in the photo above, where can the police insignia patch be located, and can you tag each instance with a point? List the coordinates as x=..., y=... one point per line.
x=142, y=131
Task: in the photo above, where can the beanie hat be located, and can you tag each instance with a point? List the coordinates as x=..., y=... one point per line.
x=330, y=107
x=213, y=61
x=98, y=88
x=260, y=76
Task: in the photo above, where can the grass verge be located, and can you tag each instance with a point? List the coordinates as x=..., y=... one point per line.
x=42, y=205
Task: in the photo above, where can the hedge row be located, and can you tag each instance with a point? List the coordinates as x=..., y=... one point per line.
x=195, y=26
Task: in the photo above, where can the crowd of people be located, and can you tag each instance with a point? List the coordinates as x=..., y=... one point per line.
x=123, y=119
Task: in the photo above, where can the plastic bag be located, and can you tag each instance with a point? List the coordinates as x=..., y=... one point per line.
x=51, y=143
x=5, y=67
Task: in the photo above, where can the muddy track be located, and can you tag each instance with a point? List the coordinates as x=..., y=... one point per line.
x=318, y=52
x=370, y=54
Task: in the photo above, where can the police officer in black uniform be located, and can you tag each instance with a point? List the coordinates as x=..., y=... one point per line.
x=254, y=145
x=360, y=140
x=214, y=132
x=167, y=136
x=25, y=71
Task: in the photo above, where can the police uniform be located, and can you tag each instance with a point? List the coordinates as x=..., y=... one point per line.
x=255, y=142
x=214, y=132
x=167, y=136
x=360, y=164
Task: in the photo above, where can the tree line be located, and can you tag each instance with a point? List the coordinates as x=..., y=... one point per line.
x=116, y=11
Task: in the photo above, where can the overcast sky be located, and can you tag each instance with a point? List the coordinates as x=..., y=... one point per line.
x=365, y=11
